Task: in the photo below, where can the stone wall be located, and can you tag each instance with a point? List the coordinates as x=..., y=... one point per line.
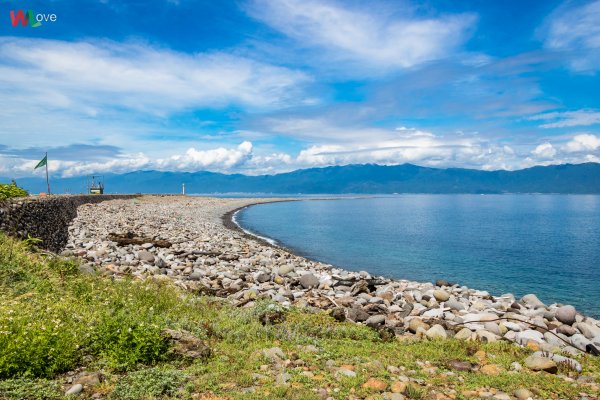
x=46, y=218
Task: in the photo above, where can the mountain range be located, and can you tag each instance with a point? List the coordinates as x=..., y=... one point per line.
x=359, y=179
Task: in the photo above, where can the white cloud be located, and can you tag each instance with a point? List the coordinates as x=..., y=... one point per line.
x=544, y=151
x=135, y=96
x=362, y=35
x=215, y=159
x=568, y=118
x=240, y=158
x=426, y=150
x=403, y=146
x=576, y=29
x=583, y=143
x=90, y=76
x=127, y=163
x=220, y=159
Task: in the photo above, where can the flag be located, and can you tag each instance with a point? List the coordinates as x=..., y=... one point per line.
x=42, y=163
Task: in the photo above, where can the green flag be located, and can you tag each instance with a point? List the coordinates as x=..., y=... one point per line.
x=42, y=163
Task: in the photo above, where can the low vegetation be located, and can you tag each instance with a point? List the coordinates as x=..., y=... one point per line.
x=8, y=191
x=57, y=324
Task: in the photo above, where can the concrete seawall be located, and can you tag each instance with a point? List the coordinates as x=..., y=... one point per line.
x=46, y=218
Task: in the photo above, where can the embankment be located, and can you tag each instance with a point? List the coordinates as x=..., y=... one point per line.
x=46, y=218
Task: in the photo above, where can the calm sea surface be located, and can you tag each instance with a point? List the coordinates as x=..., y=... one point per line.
x=543, y=244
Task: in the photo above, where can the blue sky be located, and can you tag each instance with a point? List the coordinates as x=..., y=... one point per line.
x=261, y=86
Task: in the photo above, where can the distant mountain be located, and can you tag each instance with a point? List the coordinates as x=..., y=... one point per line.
x=360, y=179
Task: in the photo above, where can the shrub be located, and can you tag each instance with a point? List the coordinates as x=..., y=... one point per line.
x=11, y=190
x=51, y=316
x=37, y=339
x=128, y=337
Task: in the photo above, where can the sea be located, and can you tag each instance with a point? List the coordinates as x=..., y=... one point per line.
x=548, y=245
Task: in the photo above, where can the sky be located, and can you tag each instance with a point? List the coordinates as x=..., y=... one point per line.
x=261, y=87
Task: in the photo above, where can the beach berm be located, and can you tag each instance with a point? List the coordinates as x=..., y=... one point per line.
x=212, y=313
x=208, y=256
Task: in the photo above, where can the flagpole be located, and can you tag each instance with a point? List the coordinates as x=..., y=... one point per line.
x=47, y=179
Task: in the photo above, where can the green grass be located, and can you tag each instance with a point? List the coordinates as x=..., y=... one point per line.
x=54, y=320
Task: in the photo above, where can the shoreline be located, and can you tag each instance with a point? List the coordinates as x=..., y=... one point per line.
x=228, y=220
x=213, y=254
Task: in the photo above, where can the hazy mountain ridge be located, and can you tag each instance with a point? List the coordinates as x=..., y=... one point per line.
x=358, y=178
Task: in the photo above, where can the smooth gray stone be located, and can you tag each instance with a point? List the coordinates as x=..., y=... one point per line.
x=308, y=281
x=532, y=301
x=566, y=330
x=262, y=277
x=375, y=321
x=579, y=341
x=436, y=332
x=525, y=336
x=588, y=330
x=146, y=256
x=75, y=389
x=454, y=305
x=566, y=315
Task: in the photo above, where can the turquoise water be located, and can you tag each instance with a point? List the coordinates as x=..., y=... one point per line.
x=543, y=244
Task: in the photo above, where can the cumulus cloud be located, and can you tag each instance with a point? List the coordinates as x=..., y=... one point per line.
x=363, y=35
x=470, y=151
x=240, y=158
x=575, y=30
x=404, y=145
x=544, y=151
x=568, y=118
x=66, y=168
x=583, y=143
x=219, y=159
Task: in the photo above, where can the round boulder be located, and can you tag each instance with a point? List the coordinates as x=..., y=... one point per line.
x=308, y=281
x=415, y=324
x=441, y=295
x=436, y=332
x=566, y=315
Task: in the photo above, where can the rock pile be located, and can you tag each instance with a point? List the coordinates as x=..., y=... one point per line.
x=207, y=257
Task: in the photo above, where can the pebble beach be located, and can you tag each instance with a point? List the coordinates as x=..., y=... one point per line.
x=193, y=242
